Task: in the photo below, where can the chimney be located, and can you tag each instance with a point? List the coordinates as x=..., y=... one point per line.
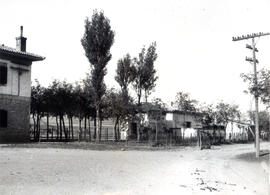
x=21, y=42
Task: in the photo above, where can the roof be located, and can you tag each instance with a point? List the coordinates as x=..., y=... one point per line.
x=16, y=53
x=185, y=112
x=147, y=106
x=240, y=122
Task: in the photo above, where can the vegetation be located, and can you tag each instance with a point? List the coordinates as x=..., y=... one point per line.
x=61, y=100
x=184, y=102
x=263, y=119
x=90, y=100
x=263, y=85
x=145, y=73
x=97, y=41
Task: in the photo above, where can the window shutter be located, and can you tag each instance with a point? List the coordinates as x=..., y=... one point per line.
x=3, y=118
x=3, y=75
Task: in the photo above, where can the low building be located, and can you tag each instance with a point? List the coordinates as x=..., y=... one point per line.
x=238, y=131
x=15, y=91
x=185, y=124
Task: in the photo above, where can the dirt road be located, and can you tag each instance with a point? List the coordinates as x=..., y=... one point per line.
x=183, y=171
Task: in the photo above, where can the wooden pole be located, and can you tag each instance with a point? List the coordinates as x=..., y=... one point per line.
x=256, y=102
x=254, y=60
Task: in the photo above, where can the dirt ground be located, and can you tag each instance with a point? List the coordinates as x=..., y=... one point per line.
x=226, y=169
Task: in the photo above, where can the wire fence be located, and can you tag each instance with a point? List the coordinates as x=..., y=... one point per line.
x=152, y=138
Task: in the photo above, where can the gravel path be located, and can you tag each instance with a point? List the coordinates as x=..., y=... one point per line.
x=184, y=171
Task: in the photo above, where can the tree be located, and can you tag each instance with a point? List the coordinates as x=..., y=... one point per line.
x=120, y=108
x=263, y=119
x=226, y=112
x=61, y=100
x=125, y=73
x=157, y=113
x=263, y=85
x=97, y=41
x=149, y=70
x=208, y=114
x=89, y=107
x=37, y=107
x=145, y=74
x=184, y=102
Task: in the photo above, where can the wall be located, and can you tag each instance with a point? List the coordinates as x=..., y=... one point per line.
x=17, y=103
x=11, y=88
x=177, y=120
x=18, y=109
x=236, y=132
x=180, y=119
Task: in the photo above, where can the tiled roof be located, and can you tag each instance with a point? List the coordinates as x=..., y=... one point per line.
x=17, y=53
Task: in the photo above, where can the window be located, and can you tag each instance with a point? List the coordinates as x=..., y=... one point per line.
x=188, y=124
x=3, y=118
x=3, y=74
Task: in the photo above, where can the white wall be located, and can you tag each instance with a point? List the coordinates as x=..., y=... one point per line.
x=237, y=132
x=177, y=120
x=11, y=88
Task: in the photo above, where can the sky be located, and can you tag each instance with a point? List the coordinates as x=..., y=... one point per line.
x=195, y=50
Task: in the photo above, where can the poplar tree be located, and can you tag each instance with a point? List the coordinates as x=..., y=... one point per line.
x=97, y=41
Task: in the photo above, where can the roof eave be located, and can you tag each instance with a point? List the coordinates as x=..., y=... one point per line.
x=25, y=56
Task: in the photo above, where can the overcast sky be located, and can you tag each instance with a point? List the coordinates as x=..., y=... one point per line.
x=196, y=53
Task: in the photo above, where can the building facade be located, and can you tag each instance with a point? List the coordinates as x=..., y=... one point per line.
x=238, y=131
x=15, y=91
x=185, y=124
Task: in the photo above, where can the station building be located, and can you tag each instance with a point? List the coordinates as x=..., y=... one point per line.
x=15, y=91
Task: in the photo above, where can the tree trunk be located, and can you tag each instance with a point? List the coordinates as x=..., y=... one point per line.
x=115, y=125
x=47, y=126
x=38, y=126
x=64, y=128
x=145, y=95
x=118, y=131
x=95, y=128
x=184, y=129
x=100, y=128
x=80, y=128
x=138, y=132
x=156, y=133
x=34, y=130
x=60, y=121
x=139, y=96
x=69, y=127
x=89, y=129
x=57, y=128
x=85, y=128
x=72, y=132
x=37, y=130
x=98, y=125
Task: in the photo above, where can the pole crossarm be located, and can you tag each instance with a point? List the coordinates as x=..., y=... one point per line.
x=249, y=36
x=251, y=60
x=250, y=47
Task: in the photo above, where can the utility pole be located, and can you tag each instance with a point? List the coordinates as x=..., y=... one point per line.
x=256, y=95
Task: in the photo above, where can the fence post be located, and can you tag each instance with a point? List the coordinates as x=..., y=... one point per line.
x=48, y=134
